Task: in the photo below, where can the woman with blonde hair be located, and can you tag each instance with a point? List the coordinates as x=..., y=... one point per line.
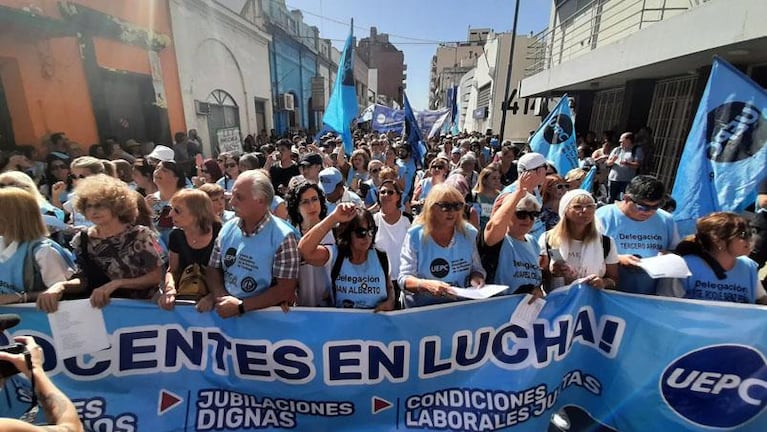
x=23, y=243
x=486, y=191
x=574, y=249
x=53, y=217
x=717, y=256
x=191, y=242
x=440, y=250
x=116, y=258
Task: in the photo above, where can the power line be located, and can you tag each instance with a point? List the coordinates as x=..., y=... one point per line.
x=367, y=29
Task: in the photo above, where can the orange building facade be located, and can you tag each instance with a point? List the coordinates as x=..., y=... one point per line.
x=90, y=68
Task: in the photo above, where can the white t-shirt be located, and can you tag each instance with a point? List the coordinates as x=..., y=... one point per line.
x=390, y=239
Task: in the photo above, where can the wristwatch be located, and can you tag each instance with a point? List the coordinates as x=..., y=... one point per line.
x=241, y=307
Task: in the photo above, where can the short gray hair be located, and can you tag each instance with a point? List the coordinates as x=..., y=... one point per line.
x=260, y=183
x=529, y=202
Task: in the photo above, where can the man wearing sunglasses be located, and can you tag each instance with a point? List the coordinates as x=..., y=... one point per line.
x=640, y=229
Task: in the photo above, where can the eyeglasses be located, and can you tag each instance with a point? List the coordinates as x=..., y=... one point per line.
x=76, y=177
x=57, y=167
x=438, y=167
x=449, y=206
x=580, y=208
x=231, y=165
x=387, y=192
x=308, y=201
x=527, y=214
x=563, y=186
x=96, y=206
x=534, y=169
x=375, y=171
x=746, y=234
x=365, y=232
x=643, y=207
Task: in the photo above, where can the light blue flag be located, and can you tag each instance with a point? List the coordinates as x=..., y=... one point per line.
x=342, y=107
x=555, y=138
x=413, y=135
x=588, y=181
x=723, y=160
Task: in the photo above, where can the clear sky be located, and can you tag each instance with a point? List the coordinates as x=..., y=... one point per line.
x=423, y=23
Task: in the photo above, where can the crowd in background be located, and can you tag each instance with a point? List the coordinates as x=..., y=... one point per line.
x=297, y=221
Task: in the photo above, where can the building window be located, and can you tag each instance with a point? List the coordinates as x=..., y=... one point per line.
x=606, y=111
x=669, y=118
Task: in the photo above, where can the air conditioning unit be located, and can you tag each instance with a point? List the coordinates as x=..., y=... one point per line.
x=286, y=102
x=202, y=108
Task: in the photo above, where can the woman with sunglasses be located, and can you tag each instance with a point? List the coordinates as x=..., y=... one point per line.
x=487, y=190
x=440, y=250
x=574, y=249
x=82, y=167
x=510, y=253
x=437, y=174
x=554, y=188
x=115, y=257
x=191, y=242
x=717, y=256
x=231, y=172
x=208, y=172
x=306, y=208
x=360, y=273
x=56, y=170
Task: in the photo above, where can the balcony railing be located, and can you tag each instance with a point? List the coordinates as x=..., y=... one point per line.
x=596, y=24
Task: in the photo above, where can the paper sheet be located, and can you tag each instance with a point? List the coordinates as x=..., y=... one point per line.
x=78, y=328
x=665, y=266
x=525, y=313
x=486, y=291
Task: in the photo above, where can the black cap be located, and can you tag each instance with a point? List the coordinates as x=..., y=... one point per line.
x=310, y=159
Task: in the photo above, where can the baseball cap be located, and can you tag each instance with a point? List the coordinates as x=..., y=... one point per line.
x=530, y=161
x=310, y=159
x=329, y=179
x=162, y=153
x=455, y=150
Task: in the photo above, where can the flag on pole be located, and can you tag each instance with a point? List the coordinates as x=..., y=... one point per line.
x=413, y=135
x=342, y=107
x=555, y=138
x=588, y=181
x=724, y=159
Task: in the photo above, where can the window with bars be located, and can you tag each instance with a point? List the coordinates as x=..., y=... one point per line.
x=606, y=110
x=669, y=118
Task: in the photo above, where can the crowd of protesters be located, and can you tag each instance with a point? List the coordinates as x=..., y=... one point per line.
x=299, y=222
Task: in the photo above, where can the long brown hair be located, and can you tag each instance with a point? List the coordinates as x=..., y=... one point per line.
x=199, y=205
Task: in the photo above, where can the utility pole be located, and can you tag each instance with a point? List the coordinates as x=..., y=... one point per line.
x=504, y=104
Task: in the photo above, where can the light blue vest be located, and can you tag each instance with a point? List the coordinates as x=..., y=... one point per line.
x=644, y=239
x=247, y=260
x=426, y=186
x=361, y=286
x=450, y=264
x=12, y=271
x=738, y=287
x=518, y=264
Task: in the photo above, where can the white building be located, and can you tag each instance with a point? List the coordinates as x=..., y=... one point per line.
x=223, y=64
x=631, y=64
x=483, y=89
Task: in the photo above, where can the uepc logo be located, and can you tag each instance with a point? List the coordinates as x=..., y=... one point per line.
x=721, y=386
x=735, y=131
x=558, y=130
